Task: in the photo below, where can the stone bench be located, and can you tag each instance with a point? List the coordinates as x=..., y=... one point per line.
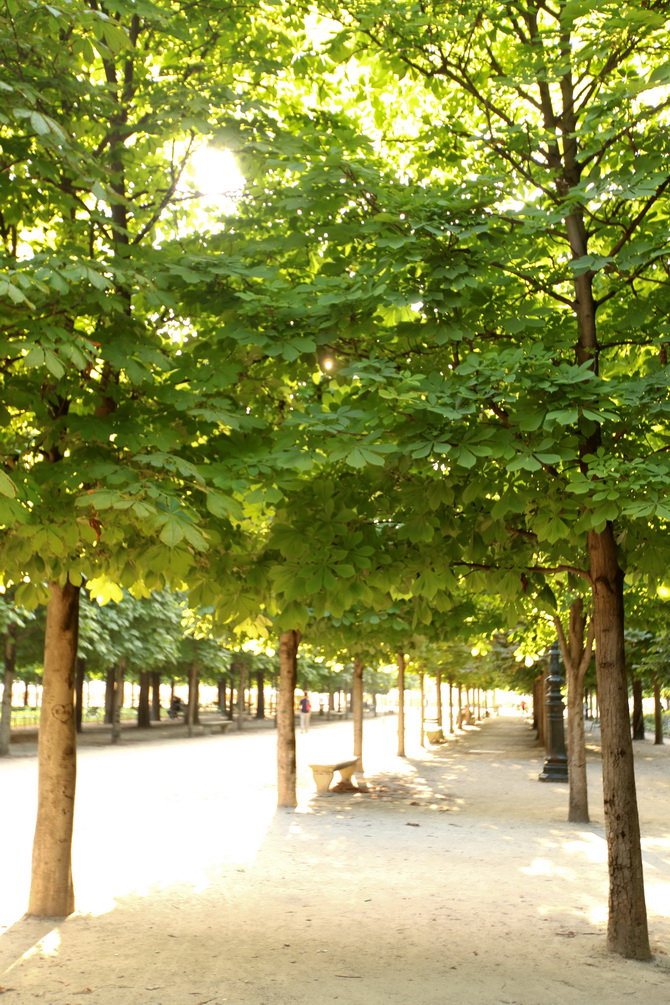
x=323, y=773
x=214, y=724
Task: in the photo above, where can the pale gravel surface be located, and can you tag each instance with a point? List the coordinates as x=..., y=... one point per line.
x=455, y=880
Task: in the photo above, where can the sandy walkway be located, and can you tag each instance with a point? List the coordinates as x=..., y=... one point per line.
x=456, y=880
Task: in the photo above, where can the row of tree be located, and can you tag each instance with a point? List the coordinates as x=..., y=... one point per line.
x=420, y=368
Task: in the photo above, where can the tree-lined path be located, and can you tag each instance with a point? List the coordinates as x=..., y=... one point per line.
x=456, y=878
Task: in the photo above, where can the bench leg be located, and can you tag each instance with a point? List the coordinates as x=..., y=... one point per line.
x=322, y=780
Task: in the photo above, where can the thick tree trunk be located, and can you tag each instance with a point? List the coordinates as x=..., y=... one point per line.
x=637, y=724
x=658, y=711
x=117, y=699
x=80, y=676
x=627, y=932
x=286, y=756
x=400, y=660
x=143, y=712
x=51, y=889
x=260, y=695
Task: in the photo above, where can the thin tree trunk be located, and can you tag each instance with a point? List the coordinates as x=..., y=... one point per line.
x=357, y=692
x=7, y=684
x=451, y=707
x=658, y=711
x=627, y=932
x=117, y=700
x=110, y=677
x=143, y=711
x=221, y=695
x=422, y=702
x=51, y=889
x=242, y=669
x=260, y=695
x=438, y=698
x=155, y=695
x=576, y=658
x=193, y=698
x=286, y=755
x=400, y=660
x=638, y=711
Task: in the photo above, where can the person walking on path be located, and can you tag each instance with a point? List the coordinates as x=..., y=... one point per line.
x=305, y=709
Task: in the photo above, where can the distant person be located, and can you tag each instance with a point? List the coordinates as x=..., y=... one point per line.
x=177, y=706
x=523, y=707
x=305, y=709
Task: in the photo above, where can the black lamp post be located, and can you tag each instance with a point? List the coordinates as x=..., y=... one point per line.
x=556, y=763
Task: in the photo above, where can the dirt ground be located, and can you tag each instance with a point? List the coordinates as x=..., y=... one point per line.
x=455, y=879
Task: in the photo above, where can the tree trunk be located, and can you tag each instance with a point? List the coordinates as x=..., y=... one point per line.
x=658, y=711
x=576, y=658
x=143, y=712
x=422, y=705
x=51, y=889
x=110, y=677
x=357, y=692
x=117, y=699
x=193, y=698
x=260, y=695
x=638, y=711
x=79, y=693
x=627, y=932
x=156, y=695
x=438, y=698
x=7, y=684
x=286, y=757
x=451, y=707
x=400, y=659
x=221, y=695
x=241, y=666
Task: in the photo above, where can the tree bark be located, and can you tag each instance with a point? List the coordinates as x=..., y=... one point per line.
x=451, y=707
x=422, y=705
x=438, y=698
x=193, y=697
x=400, y=660
x=117, y=699
x=110, y=677
x=286, y=756
x=357, y=692
x=7, y=684
x=576, y=658
x=658, y=711
x=156, y=695
x=80, y=676
x=241, y=665
x=51, y=889
x=143, y=712
x=638, y=712
x=627, y=932
x=260, y=695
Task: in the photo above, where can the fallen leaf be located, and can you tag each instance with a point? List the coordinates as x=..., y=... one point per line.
x=408, y=824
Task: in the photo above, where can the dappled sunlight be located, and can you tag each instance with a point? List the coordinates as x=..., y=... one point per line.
x=543, y=867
